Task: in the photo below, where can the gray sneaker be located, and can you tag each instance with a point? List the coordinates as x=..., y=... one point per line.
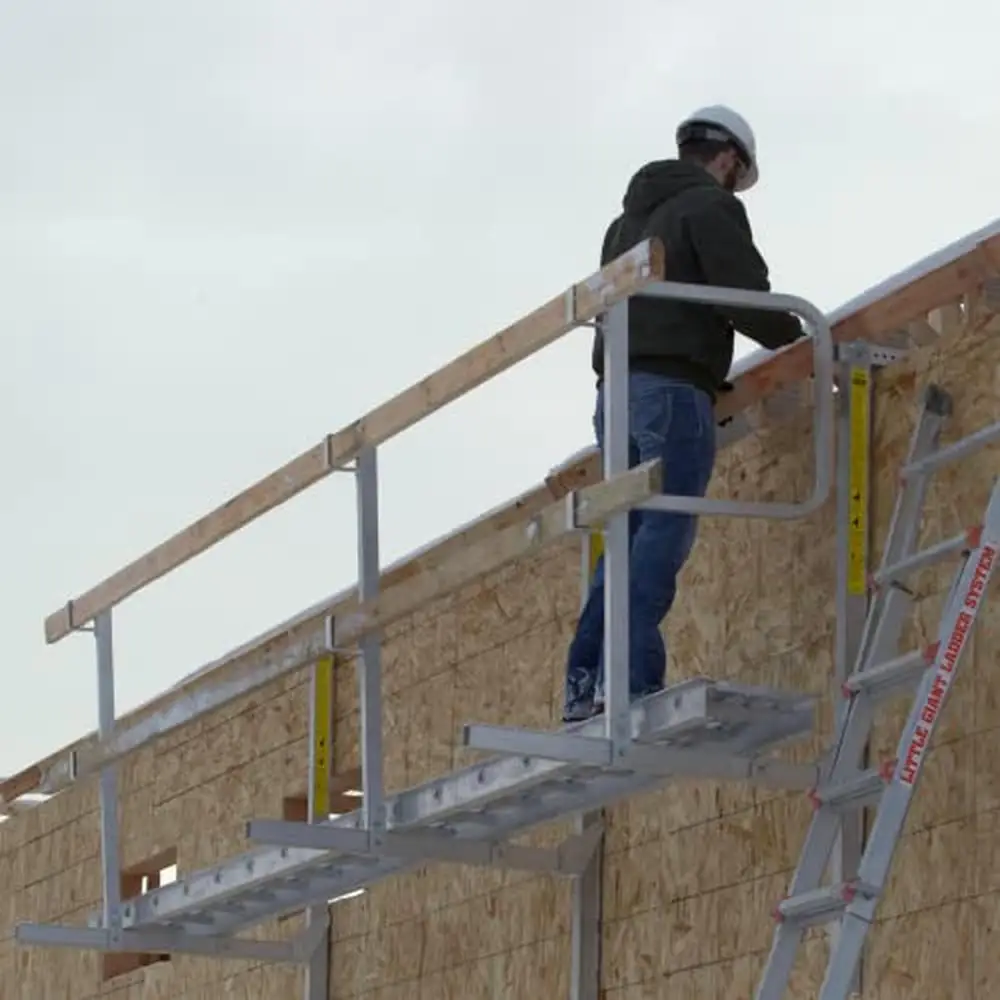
x=633, y=698
x=579, y=711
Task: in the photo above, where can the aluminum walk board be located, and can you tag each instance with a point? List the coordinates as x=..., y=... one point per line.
x=487, y=802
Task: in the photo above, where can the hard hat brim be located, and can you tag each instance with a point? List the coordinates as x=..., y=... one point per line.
x=725, y=124
x=750, y=178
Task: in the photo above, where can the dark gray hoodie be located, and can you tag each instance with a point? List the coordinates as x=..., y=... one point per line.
x=707, y=239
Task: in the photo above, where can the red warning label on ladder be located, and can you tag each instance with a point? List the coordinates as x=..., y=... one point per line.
x=946, y=667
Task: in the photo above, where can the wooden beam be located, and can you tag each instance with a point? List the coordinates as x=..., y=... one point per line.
x=22, y=783
x=579, y=304
x=795, y=363
x=911, y=303
x=266, y=494
x=595, y=503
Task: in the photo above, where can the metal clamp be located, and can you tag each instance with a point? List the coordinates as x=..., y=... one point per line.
x=331, y=647
x=572, y=511
x=569, y=300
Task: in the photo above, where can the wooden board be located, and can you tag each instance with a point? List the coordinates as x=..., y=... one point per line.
x=901, y=306
x=690, y=872
x=266, y=494
x=595, y=504
x=795, y=363
x=528, y=335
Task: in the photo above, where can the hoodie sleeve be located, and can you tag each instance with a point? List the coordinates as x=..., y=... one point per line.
x=722, y=240
x=610, y=235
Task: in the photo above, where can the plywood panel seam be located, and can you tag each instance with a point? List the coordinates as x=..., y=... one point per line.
x=661, y=835
x=57, y=872
x=225, y=716
x=508, y=637
x=424, y=679
x=68, y=916
x=941, y=905
x=668, y=899
x=483, y=956
x=91, y=815
x=517, y=880
x=230, y=771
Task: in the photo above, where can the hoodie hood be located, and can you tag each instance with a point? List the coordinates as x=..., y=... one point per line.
x=661, y=180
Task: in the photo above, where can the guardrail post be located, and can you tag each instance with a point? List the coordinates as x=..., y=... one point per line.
x=108, y=788
x=369, y=667
x=617, y=629
x=588, y=888
x=317, y=972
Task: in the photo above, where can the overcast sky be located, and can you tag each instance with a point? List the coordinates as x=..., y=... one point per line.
x=231, y=227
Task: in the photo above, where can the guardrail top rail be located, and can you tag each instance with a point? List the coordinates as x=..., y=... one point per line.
x=607, y=503
x=578, y=305
x=640, y=271
x=951, y=270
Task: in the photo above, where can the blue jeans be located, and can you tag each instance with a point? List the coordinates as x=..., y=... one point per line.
x=675, y=422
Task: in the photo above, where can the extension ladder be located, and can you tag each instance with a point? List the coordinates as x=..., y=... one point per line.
x=880, y=672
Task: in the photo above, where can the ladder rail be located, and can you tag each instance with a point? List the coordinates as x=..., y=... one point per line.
x=824, y=824
x=956, y=627
x=878, y=670
x=903, y=529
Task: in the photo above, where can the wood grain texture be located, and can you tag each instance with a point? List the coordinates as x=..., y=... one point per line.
x=621, y=278
x=20, y=784
x=266, y=494
x=907, y=305
x=528, y=335
x=463, y=566
x=596, y=502
x=691, y=872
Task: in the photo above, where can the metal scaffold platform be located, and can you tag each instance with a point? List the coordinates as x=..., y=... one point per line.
x=693, y=728
x=698, y=729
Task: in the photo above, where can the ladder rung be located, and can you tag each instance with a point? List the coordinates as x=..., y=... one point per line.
x=859, y=790
x=892, y=676
x=953, y=452
x=928, y=557
x=819, y=906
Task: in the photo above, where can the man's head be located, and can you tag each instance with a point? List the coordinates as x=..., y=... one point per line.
x=722, y=142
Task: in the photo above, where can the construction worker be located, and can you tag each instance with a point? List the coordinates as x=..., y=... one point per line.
x=679, y=357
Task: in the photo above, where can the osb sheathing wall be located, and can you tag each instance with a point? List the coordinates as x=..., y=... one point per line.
x=690, y=873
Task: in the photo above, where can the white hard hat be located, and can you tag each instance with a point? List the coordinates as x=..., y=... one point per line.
x=720, y=122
